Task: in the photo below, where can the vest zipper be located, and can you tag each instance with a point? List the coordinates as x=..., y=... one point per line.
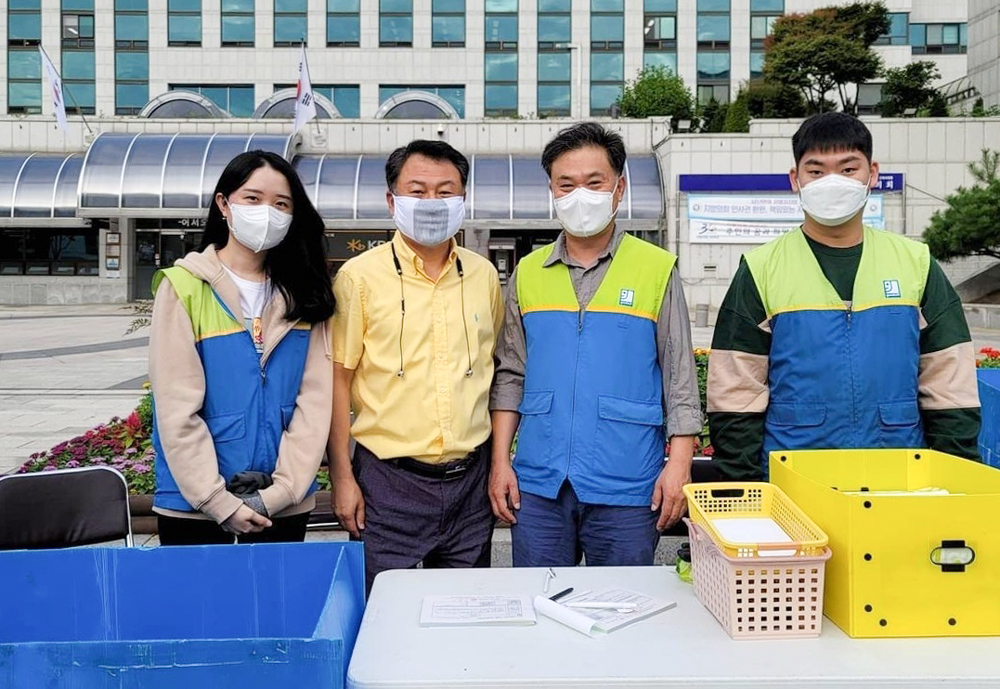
x=576, y=377
x=850, y=365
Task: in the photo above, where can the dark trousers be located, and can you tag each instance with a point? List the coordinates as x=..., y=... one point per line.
x=556, y=533
x=181, y=531
x=412, y=519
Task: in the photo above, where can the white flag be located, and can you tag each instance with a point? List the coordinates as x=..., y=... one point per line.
x=55, y=83
x=305, y=106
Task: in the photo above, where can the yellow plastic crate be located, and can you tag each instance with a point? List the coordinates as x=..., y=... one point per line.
x=708, y=502
x=903, y=564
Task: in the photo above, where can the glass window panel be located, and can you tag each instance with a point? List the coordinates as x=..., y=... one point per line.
x=455, y=95
x=897, y=23
x=713, y=27
x=24, y=64
x=934, y=34
x=501, y=28
x=555, y=5
x=387, y=92
x=290, y=6
x=25, y=4
x=396, y=29
x=607, y=5
x=501, y=97
x=78, y=5
x=660, y=5
x=131, y=95
x=756, y=64
x=713, y=65
x=184, y=28
x=554, y=29
x=607, y=28
x=656, y=59
x=348, y=101
x=131, y=27
x=501, y=5
x=661, y=28
x=83, y=94
x=501, y=66
x=918, y=34
x=396, y=6
x=554, y=66
x=963, y=34
x=766, y=6
x=607, y=66
x=24, y=94
x=343, y=6
x=237, y=29
x=85, y=25
x=290, y=28
x=602, y=96
x=217, y=94
x=713, y=5
x=343, y=29
x=448, y=6
x=25, y=26
x=184, y=5
x=131, y=65
x=78, y=65
x=132, y=5
x=553, y=98
x=241, y=101
x=237, y=5
x=869, y=94
x=449, y=29
x=949, y=34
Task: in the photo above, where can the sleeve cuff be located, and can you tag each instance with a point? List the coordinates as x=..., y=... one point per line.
x=221, y=506
x=277, y=498
x=505, y=398
x=685, y=422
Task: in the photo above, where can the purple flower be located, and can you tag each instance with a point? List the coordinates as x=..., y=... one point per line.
x=72, y=464
x=131, y=451
x=141, y=469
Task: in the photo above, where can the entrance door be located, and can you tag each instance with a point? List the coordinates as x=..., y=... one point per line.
x=155, y=250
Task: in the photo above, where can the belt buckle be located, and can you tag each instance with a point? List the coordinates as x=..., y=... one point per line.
x=455, y=472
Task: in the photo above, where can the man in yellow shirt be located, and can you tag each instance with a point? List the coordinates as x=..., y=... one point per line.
x=413, y=338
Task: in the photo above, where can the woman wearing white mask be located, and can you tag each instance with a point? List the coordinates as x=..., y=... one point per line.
x=238, y=364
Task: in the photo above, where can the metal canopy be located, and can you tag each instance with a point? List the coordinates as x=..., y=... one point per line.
x=503, y=191
x=161, y=175
x=39, y=189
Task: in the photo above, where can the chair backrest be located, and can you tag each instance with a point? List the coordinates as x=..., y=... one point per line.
x=66, y=507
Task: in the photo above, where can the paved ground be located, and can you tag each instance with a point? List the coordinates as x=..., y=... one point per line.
x=65, y=369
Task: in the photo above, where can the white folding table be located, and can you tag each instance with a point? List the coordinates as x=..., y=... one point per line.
x=682, y=647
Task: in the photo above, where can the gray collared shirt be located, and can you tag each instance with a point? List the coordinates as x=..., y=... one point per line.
x=681, y=405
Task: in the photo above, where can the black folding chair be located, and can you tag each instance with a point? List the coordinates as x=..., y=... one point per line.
x=62, y=508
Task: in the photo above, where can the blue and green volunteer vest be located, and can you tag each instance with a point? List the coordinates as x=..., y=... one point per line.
x=842, y=376
x=247, y=405
x=592, y=410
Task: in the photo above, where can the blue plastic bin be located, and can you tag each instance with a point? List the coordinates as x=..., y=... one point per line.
x=250, y=616
x=989, y=398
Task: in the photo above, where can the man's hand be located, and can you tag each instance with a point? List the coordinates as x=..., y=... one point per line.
x=348, y=504
x=668, y=494
x=504, y=495
x=245, y=520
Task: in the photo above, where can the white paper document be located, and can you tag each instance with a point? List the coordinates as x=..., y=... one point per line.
x=590, y=621
x=754, y=530
x=458, y=611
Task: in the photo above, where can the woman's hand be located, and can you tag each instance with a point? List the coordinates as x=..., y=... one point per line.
x=245, y=521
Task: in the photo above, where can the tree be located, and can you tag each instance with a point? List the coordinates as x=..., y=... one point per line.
x=770, y=100
x=979, y=109
x=738, y=115
x=970, y=225
x=829, y=49
x=713, y=117
x=656, y=91
x=910, y=87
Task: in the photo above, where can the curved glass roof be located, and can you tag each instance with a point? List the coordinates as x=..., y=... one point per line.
x=169, y=175
x=281, y=105
x=36, y=185
x=416, y=105
x=181, y=104
x=345, y=188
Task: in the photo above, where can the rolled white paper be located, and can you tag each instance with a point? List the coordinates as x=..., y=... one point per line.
x=563, y=615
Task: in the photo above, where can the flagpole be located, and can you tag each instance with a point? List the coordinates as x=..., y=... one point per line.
x=79, y=110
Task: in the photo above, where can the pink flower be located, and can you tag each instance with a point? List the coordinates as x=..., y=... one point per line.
x=72, y=464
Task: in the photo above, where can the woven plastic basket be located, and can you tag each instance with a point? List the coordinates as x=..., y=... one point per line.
x=761, y=597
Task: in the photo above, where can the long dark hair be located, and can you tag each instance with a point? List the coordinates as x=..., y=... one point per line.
x=297, y=266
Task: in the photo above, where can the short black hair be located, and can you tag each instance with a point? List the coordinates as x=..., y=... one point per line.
x=435, y=150
x=832, y=131
x=582, y=135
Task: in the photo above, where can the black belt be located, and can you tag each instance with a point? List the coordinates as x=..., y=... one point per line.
x=450, y=471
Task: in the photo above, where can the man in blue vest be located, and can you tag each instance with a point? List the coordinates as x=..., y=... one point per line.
x=595, y=353
x=836, y=335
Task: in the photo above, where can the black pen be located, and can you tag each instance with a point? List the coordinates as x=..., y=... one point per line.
x=561, y=594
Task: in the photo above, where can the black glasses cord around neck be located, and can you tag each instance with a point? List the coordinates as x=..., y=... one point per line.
x=402, y=311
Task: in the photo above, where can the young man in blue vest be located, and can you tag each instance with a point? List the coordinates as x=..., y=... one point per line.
x=837, y=335
x=595, y=353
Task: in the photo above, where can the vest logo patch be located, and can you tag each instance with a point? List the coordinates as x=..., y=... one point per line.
x=626, y=297
x=891, y=289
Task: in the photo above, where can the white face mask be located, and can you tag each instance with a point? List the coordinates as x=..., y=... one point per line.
x=258, y=227
x=428, y=222
x=584, y=212
x=834, y=199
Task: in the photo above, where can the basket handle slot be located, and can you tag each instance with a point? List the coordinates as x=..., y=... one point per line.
x=728, y=493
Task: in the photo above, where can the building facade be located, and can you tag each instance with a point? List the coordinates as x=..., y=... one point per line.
x=984, y=49
x=480, y=58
